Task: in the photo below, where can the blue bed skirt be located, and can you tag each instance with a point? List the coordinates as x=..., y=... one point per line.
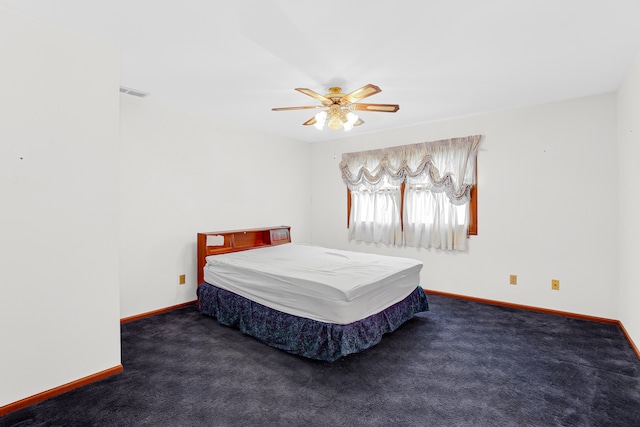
x=302, y=336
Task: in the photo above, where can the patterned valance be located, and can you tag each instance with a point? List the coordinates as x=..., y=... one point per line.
x=445, y=166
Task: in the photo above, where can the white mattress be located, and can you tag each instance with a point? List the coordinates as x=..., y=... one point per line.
x=327, y=285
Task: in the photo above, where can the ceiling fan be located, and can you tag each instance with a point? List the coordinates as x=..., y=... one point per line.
x=338, y=109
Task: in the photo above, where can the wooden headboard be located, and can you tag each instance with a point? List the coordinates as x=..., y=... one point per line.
x=223, y=242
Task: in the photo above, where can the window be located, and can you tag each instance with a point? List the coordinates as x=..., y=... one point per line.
x=472, y=229
x=421, y=195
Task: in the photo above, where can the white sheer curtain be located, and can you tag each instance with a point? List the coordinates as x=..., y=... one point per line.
x=438, y=177
x=375, y=214
x=432, y=221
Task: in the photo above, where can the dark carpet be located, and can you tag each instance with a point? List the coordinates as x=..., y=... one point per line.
x=460, y=364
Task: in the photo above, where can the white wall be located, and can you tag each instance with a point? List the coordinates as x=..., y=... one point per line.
x=547, y=205
x=629, y=154
x=59, y=295
x=182, y=174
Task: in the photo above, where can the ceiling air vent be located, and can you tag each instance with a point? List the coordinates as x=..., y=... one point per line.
x=133, y=92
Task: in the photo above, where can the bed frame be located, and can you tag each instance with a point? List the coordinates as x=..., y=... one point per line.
x=238, y=240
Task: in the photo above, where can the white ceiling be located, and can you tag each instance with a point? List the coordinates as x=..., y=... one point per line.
x=235, y=60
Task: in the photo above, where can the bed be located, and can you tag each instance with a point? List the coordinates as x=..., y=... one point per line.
x=307, y=300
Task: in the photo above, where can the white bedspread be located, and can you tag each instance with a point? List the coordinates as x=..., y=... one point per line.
x=327, y=285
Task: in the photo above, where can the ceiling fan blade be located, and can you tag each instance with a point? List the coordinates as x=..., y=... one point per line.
x=388, y=108
x=306, y=107
x=361, y=93
x=311, y=121
x=316, y=95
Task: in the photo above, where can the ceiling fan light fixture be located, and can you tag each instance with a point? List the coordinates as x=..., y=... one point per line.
x=350, y=121
x=321, y=118
x=335, y=119
x=335, y=122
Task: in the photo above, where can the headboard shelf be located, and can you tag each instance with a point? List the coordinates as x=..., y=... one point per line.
x=222, y=242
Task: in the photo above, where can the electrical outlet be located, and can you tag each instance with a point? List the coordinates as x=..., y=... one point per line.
x=183, y=279
x=555, y=285
x=513, y=279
